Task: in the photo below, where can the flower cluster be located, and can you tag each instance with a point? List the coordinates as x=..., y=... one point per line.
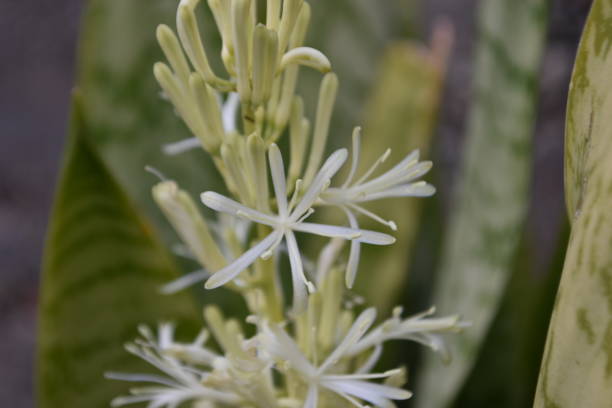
x=321, y=352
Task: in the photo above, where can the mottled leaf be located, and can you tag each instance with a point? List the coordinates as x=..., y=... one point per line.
x=492, y=195
x=102, y=271
x=577, y=365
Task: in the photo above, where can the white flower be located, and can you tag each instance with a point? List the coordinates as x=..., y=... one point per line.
x=183, y=382
x=418, y=328
x=399, y=181
x=290, y=218
x=352, y=387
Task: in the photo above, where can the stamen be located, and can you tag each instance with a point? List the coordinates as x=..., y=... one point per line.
x=377, y=163
x=156, y=173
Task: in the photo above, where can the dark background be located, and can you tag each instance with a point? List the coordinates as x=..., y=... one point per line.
x=37, y=53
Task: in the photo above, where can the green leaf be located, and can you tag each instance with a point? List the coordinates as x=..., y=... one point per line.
x=401, y=114
x=577, y=365
x=506, y=372
x=102, y=271
x=492, y=196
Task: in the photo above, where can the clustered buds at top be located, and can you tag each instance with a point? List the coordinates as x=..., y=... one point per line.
x=321, y=352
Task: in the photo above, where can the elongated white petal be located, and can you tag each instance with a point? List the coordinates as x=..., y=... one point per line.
x=357, y=330
x=354, y=253
x=355, y=153
x=279, y=180
x=181, y=146
x=221, y=203
x=325, y=230
x=184, y=281
x=312, y=397
x=378, y=394
x=150, y=378
x=321, y=180
x=371, y=361
x=280, y=345
x=375, y=238
x=297, y=274
x=228, y=273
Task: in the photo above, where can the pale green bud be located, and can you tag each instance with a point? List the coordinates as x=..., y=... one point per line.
x=182, y=213
x=265, y=50
x=327, y=99
x=172, y=50
x=306, y=56
x=240, y=17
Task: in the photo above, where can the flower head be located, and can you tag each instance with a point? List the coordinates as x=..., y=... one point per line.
x=289, y=219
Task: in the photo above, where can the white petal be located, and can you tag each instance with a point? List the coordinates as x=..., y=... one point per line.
x=355, y=153
x=325, y=230
x=221, y=203
x=357, y=330
x=312, y=397
x=298, y=278
x=419, y=189
x=184, y=282
x=377, y=394
x=371, y=361
x=228, y=273
x=354, y=253
x=321, y=180
x=181, y=146
x=375, y=238
x=284, y=347
x=277, y=170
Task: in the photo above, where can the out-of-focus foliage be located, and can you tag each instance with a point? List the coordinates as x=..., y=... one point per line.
x=492, y=197
x=506, y=371
x=402, y=114
x=102, y=270
x=577, y=366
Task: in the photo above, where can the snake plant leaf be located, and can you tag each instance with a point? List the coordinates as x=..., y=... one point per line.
x=102, y=271
x=402, y=114
x=492, y=198
x=506, y=372
x=577, y=365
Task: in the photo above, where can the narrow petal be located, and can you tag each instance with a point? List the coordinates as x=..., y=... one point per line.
x=378, y=394
x=355, y=153
x=354, y=253
x=184, y=282
x=312, y=397
x=223, y=204
x=277, y=170
x=325, y=230
x=228, y=273
x=357, y=330
x=299, y=281
x=375, y=238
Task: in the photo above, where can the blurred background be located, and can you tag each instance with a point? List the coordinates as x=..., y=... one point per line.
x=37, y=65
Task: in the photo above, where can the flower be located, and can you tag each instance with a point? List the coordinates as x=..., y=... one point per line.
x=418, y=328
x=290, y=218
x=352, y=387
x=399, y=181
x=182, y=382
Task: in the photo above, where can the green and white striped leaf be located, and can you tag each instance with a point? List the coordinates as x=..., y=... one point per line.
x=577, y=365
x=102, y=271
x=492, y=195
